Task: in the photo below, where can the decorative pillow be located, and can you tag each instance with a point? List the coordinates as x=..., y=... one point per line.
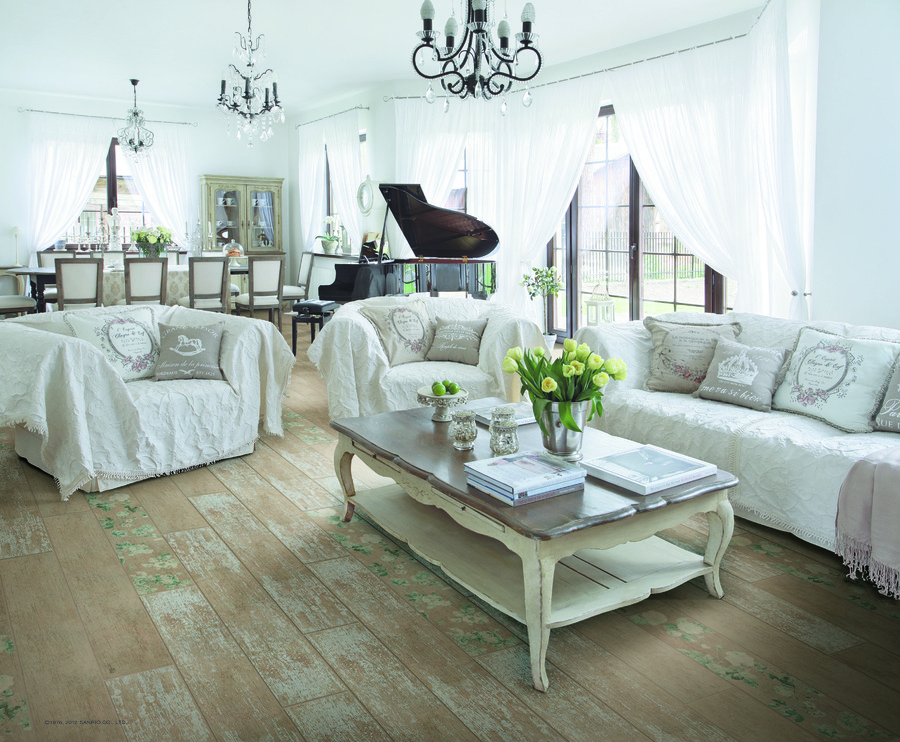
x=457, y=340
x=128, y=339
x=405, y=330
x=682, y=353
x=743, y=375
x=837, y=380
x=888, y=417
x=189, y=352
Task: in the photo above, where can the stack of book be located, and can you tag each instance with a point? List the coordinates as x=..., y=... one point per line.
x=647, y=469
x=524, y=477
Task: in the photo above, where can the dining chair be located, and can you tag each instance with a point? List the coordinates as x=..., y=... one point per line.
x=11, y=300
x=79, y=283
x=300, y=290
x=47, y=259
x=145, y=281
x=207, y=284
x=265, y=282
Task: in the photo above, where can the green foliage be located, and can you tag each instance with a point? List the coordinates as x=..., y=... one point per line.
x=542, y=282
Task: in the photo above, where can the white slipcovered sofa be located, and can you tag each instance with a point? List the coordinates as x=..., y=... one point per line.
x=790, y=465
x=78, y=419
x=360, y=379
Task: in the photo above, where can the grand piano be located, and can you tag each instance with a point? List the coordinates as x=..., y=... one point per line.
x=449, y=247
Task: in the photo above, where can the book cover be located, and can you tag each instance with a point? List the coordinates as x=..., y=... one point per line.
x=523, y=471
x=473, y=479
x=648, y=469
x=513, y=500
x=524, y=414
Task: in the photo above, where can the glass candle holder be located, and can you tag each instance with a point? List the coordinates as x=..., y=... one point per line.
x=504, y=437
x=500, y=414
x=463, y=430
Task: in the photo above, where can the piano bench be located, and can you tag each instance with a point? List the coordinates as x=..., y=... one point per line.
x=312, y=312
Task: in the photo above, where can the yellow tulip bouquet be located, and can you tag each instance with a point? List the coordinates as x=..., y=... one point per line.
x=578, y=376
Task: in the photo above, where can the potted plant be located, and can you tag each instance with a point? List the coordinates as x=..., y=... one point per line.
x=543, y=282
x=151, y=241
x=331, y=240
x=565, y=393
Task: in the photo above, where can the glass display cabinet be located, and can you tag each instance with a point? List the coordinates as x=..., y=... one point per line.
x=246, y=210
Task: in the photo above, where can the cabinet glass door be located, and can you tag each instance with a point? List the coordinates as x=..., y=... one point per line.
x=262, y=221
x=228, y=217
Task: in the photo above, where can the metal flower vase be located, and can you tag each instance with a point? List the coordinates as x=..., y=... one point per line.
x=559, y=440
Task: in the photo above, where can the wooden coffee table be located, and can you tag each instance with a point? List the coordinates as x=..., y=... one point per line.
x=549, y=563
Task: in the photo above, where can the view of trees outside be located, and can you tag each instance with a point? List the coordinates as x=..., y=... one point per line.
x=673, y=279
x=132, y=212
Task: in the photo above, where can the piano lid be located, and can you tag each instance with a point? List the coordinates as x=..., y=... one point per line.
x=436, y=232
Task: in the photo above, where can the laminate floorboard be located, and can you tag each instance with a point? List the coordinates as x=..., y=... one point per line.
x=231, y=603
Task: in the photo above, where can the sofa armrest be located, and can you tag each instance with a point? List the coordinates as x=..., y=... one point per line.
x=351, y=359
x=506, y=330
x=629, y=341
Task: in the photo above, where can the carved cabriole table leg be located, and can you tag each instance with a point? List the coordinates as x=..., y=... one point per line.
x=538, y=575
x=721, y=528
x=343, y=458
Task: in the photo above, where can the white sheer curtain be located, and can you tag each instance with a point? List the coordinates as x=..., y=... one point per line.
x=710, y=134
x=67, y=156
x=163, y=179
x=345, y=166
x=312, y=183
x=429, y=143
x=524, y=168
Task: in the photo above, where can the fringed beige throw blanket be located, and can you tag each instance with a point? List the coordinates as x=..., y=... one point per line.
x=868, y=520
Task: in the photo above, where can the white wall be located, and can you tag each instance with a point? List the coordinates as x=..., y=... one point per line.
x=856, y=243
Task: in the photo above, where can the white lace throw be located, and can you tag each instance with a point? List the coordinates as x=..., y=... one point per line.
x=868, y=520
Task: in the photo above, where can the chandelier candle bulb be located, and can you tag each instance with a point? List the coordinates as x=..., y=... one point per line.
x=503, y=31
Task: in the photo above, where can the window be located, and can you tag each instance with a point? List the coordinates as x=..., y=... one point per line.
x=114, y=189
x=618, y=258
x=457, y=200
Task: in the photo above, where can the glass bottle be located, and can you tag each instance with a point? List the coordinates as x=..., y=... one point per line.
x=463, y=430
x=504, y=437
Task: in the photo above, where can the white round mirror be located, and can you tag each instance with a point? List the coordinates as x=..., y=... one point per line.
x=365, y=195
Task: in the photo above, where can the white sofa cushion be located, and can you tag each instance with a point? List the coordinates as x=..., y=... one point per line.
x=128, y=338
x=682, y=354
x=888, y=417
x=405, y=330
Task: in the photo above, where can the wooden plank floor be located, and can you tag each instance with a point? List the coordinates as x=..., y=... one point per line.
x=230, y=603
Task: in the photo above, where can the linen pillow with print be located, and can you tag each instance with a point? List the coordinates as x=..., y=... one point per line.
x=888, y=417
x=457, y=340
x=127, y=339
x=741, y=375
x=189, y=352
x=838, y=380
x=405, y=330
x=682, y=353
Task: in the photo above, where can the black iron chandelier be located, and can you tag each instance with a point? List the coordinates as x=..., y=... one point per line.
x=245, y=97
x=135, y=139
x=476, y=65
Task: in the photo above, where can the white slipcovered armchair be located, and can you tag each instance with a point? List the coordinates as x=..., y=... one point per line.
x=361, y=381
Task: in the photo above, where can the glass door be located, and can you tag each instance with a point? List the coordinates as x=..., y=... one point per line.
x=228, y=217
x=261, y=209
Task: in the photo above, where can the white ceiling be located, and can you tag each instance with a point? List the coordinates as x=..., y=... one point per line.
x=321, y=50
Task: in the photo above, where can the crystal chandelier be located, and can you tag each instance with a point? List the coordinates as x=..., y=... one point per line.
x=242, y=99
x=476, y=64
x=134, y=139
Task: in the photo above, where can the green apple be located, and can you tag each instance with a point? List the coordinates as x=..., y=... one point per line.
x=438, y=389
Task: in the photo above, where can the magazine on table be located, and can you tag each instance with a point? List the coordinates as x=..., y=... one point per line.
x=540, y=493
x=647, y=469
x=524, y=471
x=524, y=413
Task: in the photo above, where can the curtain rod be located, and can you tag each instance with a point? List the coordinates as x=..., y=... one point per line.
x=330, y=116
x=387, y=99
x=110, y=118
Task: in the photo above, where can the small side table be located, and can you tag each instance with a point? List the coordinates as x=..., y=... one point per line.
x=312, y=312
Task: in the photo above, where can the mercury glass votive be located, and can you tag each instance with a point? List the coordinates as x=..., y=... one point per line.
x=463, y=430
x=504, y=437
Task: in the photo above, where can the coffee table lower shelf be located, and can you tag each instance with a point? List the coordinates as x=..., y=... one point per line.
x=585, y=584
